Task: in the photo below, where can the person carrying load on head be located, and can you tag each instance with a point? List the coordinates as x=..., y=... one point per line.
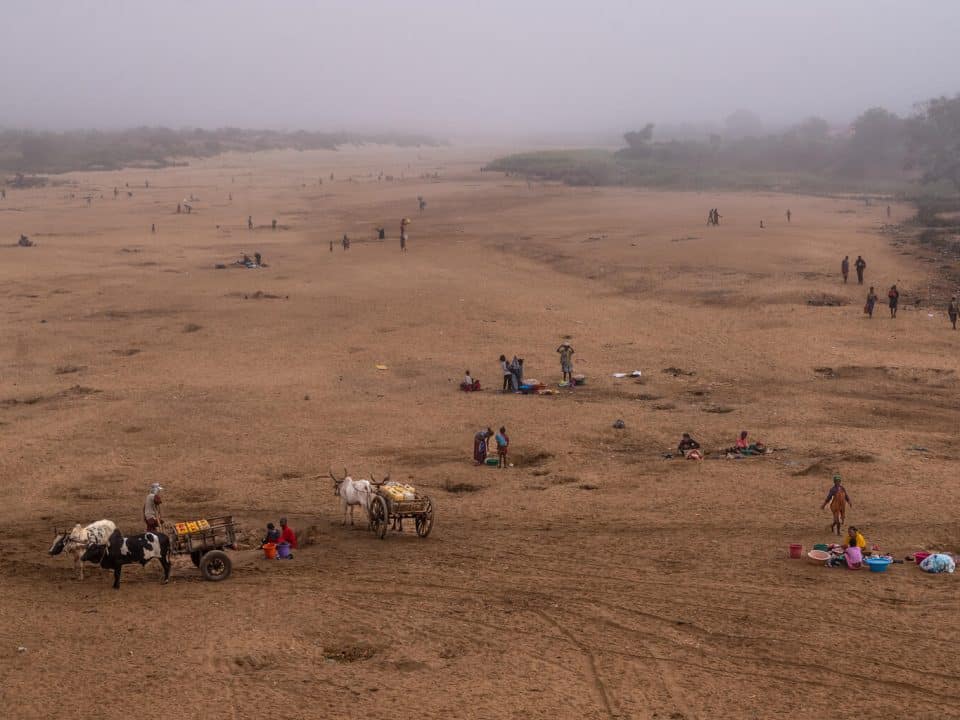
x=566, y=361
x=838, y=499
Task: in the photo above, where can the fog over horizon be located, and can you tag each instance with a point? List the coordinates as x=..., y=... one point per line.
x=462, y=69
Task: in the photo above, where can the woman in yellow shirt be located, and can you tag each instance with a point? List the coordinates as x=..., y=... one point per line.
x=855, y=539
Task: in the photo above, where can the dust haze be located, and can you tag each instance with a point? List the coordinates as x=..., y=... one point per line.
x=460, y=69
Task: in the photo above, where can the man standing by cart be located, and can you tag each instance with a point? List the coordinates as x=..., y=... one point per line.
x=151, y=509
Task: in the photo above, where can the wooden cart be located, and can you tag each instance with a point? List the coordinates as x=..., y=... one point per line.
x=384, y=510
x=204, y=541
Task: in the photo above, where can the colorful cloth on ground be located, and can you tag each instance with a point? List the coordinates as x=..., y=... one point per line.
x=938, y=563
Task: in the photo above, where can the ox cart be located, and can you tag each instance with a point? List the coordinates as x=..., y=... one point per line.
x=396, y=503
x=204, y=541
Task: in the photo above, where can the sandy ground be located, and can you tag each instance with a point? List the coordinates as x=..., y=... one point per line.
x=594, y=579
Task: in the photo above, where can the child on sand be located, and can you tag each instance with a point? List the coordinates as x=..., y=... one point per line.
x=838, y=499
x=503, y=442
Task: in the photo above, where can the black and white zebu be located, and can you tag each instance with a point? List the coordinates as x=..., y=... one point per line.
x=120, y=551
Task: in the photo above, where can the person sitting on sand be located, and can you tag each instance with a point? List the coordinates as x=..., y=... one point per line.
x=469, y=384
x=480, y=446
x=287, y=535
x=854, y=539
x=687, y=444
x=689, y=448
x=742, y=448
x=838, y=499
x=272, y=536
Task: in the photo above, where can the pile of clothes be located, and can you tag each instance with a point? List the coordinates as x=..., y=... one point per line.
x=938, y=563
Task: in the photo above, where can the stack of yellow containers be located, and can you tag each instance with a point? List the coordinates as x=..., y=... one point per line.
x=398, y=492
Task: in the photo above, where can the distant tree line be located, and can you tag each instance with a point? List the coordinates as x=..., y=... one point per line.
x=879, y=149
x=28, y=151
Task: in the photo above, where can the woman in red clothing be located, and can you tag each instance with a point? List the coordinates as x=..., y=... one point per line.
x=286, y=534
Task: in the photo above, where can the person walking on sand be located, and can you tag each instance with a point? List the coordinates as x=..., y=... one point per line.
x=566, y=361
x=871, y=302
x=788, y=214
x=838, y=499
x=331, y=246
x=893, y=299
x=860, y=265
x=503, y=443
x=888, y=211
x=845, y=268
x=953, y=310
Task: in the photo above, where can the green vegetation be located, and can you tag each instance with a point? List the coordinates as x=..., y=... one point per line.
x=881, y=153
x=46, y=152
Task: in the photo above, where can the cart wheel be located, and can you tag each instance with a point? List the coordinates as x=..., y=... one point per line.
x=215, y=566
x=378, y=516
x=195, y=557
x=424, y=521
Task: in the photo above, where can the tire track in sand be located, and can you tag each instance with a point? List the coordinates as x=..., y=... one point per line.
x=598, y=685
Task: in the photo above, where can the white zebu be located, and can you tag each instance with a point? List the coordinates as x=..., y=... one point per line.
x=80, y=538
x=352, y=493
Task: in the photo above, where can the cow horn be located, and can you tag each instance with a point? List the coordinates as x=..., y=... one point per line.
x=332, y=476
x=345, y=473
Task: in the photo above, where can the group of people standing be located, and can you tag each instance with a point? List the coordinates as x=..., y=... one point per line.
x=481, y=443
x=713, y=217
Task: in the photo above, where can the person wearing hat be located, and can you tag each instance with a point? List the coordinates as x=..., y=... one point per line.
x=838, y=499
x=566, y=361
x=151, y=509
x=287, y=535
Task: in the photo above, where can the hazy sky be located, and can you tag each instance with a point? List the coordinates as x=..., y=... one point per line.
x=456, y=67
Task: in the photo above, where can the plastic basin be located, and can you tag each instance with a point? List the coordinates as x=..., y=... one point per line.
x=919, y=557
x=877, y=564
x=818, y=556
